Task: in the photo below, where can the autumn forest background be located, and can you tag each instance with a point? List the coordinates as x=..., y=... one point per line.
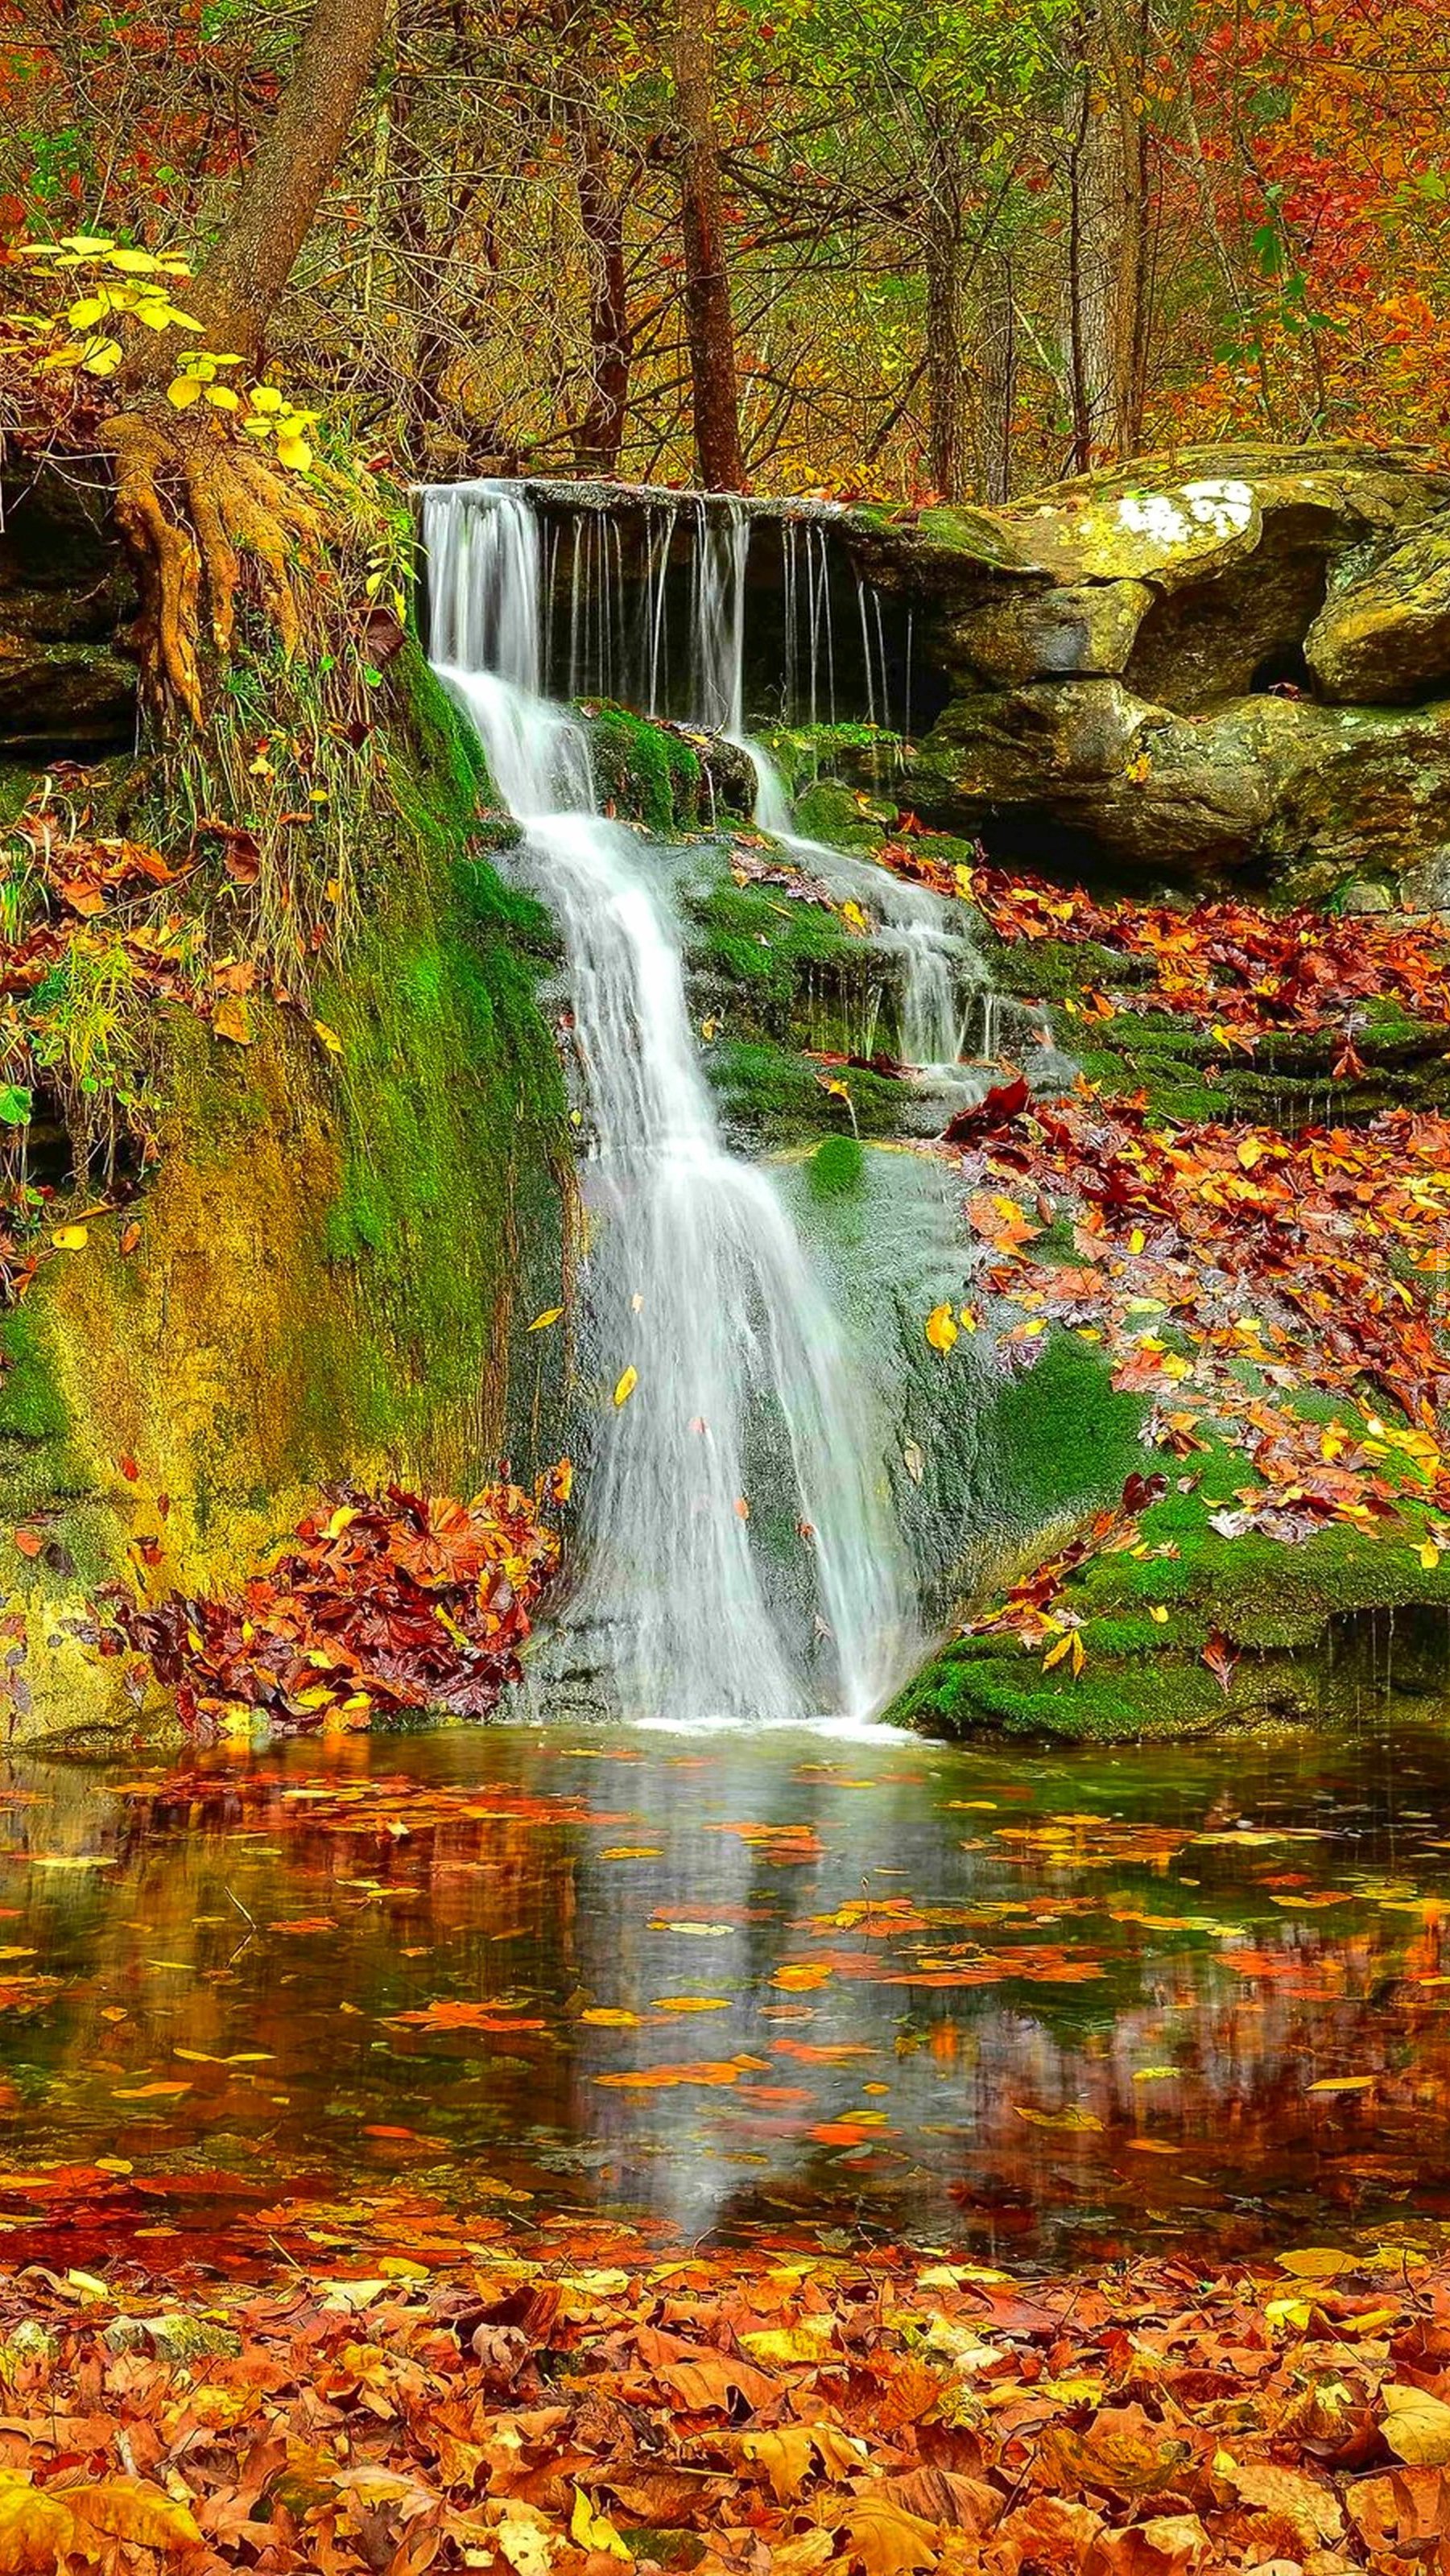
x=967, y=249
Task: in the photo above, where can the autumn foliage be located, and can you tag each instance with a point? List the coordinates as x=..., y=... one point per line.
x=580, y=2406
x=381, y=1603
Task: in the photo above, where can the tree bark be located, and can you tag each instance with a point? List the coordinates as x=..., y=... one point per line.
x=205, y=514
x=600, y=435
x=709, y=322
x=1107, y=236
x=945, y=375
x=238, y=288
x=996, y=377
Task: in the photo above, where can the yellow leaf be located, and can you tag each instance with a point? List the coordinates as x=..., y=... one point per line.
x=1057, y=1654
x=222, y=398
x=941, y=1328
x=591, y=2530
x=37, y=2531
x=265, y=398
x=1072, y=2118
x=1342, y=2084
x=70, y=1238
x=1315, y=2262
x=232, y=1019
x=1157, y=1611
x=549, y=1316
x=294, y=452
x=854, y=916
x=787, y=2343
x=183, y=390
x=134, y=263
x=888, y=2541
x=1417, y=2427
x=1429, y=1556
x=626, y=1386
x=329, y=1037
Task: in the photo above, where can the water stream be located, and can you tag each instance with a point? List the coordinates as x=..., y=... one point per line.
x=739, y=1562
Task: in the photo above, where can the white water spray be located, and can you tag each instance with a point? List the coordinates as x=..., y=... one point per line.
x=704, y=1604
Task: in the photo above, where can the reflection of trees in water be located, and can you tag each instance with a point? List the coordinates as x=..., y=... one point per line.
x=499, y=1892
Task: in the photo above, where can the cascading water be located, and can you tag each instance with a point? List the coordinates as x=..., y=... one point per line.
x=696, y=1279
x=937, y=966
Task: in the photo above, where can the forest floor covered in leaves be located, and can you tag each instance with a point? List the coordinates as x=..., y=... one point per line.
x=562, y=2401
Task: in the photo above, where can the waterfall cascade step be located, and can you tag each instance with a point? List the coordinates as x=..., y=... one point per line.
x=739, y=1558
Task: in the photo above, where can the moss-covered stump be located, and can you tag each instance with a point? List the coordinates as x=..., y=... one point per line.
x=352, y=1221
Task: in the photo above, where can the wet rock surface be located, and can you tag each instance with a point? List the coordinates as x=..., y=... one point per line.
x=1231, y=659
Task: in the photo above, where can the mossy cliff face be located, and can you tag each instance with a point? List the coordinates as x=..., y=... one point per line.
x=338, y=1254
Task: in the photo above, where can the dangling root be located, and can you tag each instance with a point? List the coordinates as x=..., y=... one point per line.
x=196, y=505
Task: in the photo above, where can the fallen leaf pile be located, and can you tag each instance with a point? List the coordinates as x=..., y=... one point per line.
x=1233, y=968
x=382, y=1603
x=578, y=2406
x=1228, y=1269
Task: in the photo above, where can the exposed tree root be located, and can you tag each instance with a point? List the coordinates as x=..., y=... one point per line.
x=204, y=515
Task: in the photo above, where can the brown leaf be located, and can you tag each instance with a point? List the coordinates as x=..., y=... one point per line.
x=1408, y=2509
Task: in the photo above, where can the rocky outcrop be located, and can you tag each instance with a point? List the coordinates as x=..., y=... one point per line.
x=1383, y=634
x=1232, y=658
x=67, y=686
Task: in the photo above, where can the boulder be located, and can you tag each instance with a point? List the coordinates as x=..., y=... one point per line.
x=1084, y=631
x=1146, y=788
x=1383, y=634
x=1190, y=666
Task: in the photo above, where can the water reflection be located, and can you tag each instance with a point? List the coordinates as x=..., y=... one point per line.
x=1027, y=2001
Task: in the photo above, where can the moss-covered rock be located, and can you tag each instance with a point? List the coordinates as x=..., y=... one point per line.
x=338, y=1253
x=1383, y=633
x=1291, y=1617
x=772, y=1096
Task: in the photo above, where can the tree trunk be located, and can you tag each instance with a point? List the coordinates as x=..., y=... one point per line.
x=996, y=377
x=946, y=382
x=611, y=342
x=204, y=513
x=239, y=286
x=709, y=323
x=1107, y=236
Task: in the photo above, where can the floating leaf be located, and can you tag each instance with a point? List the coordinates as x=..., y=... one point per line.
x=941, y=1328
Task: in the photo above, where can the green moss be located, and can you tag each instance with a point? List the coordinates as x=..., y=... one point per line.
x=1009, y=1694
x=32, y=1407
x=837, y=1168
x=863, y=753
x=769, y=946
x=780, y=1097
x=644, y=771
x=843, y=817
x=452, y=1113
x=1280, y=1606
x=1062, y=1437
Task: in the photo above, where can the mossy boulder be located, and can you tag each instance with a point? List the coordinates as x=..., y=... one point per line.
x=1383, y=634
x=1292, y=1618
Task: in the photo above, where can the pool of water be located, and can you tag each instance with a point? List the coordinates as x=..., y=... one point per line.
x=1035, y=2004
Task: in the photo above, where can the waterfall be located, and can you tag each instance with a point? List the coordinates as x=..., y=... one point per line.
x=737, y=1560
